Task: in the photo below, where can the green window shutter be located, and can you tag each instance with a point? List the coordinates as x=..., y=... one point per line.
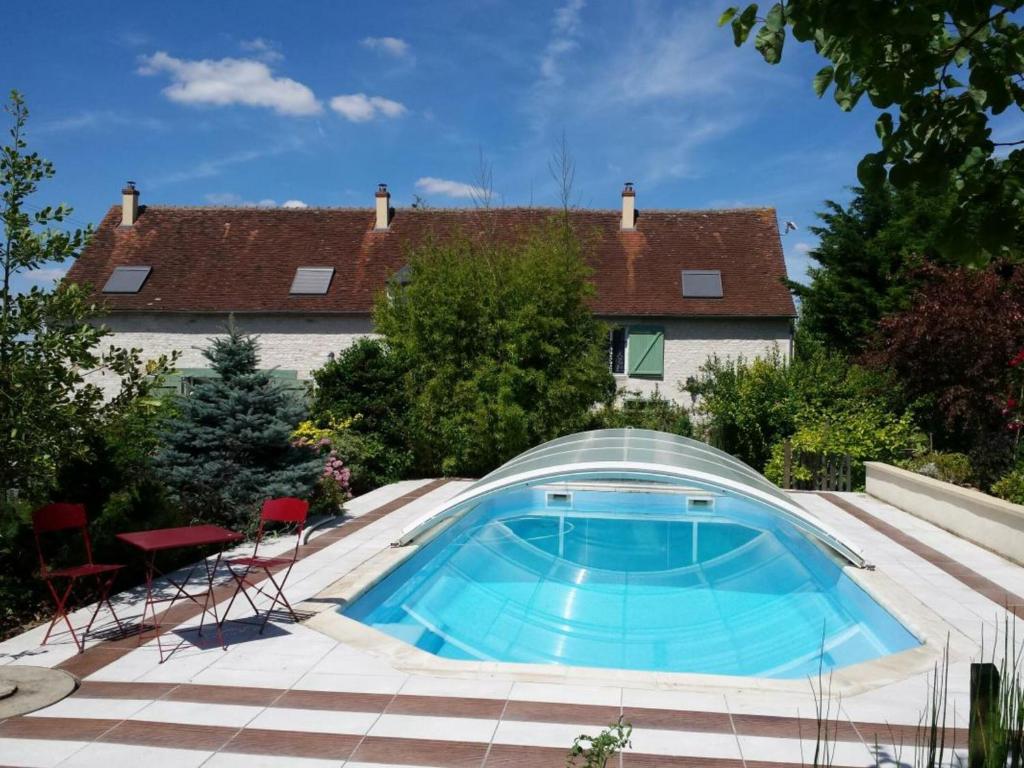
x=646, y=351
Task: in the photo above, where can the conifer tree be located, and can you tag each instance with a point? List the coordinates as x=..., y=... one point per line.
x=229, y=447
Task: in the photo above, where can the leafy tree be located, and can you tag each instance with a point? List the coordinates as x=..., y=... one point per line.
x=938, y=70
x=866, y=432
x=49, y=339
x=750, y=406
x=952, y=350
x=501, y=347
x=363, y=387
x=866, y=261
x=650, y=411
x=229, y=447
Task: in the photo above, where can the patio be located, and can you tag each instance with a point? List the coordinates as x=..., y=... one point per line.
x=295, y=696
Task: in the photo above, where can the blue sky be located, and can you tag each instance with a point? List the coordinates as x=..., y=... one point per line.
x=314, y=103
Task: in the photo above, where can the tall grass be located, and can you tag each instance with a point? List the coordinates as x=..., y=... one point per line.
x=1001, y=740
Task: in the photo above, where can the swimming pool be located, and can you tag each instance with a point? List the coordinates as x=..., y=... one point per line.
x=631, y=575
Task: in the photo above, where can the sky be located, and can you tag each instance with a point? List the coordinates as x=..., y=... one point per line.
x=315, y=103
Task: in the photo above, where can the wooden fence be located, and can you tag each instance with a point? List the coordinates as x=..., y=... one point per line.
x=815, y=471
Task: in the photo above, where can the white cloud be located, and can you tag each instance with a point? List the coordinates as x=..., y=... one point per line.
x=390, y=46
x=237, y=201
x=803, y=248
x=358, y=107
x=294, y=204
x=448, y=188
x=96, y=119
x=565, y=31
x=262, y=49
x=231, y=81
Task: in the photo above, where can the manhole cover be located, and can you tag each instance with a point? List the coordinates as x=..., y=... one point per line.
x=26, y=689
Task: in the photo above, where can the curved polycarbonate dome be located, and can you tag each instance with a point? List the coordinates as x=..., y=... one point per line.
x=635, y=455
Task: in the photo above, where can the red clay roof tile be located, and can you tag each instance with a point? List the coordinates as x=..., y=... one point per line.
x=244, y=259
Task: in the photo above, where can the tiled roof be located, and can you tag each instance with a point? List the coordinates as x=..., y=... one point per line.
x=244, y=259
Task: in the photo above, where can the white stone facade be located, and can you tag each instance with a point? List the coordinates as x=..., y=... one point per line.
x=302, y=343
x=689, y=342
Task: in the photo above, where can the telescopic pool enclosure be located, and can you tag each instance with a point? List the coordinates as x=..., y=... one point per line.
x=636, y=456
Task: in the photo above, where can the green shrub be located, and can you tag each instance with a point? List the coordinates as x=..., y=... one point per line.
x=229, y=446
x=948, y=467
x=650, y=411
x=1011, y=485
x=866, y=434
x=364, y=389
x=503, y=349
x=747, y=407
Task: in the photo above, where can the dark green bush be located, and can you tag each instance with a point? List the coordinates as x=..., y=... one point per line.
x=364, y=389
x=229, y=446
x=1011, y=485
x=948, y=467
x=650, y=411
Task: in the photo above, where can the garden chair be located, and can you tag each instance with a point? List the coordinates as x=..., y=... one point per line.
x=55, y=518
x=283, y=510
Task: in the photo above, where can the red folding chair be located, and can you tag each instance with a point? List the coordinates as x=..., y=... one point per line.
x=284, y=510
x=65, y=517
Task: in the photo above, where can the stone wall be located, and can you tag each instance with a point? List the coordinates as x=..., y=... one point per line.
x=303, y=342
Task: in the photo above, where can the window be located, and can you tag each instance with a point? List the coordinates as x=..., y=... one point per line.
x=646, y=351
x=126, y=279
x=617, y=350
x=702, y=283
x=312, y=280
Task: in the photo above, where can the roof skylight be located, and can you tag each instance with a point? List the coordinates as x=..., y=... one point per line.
x=702, y=283
x=126, y=279
x=312, y=281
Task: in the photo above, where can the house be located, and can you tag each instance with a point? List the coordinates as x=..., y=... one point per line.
x=675, y=286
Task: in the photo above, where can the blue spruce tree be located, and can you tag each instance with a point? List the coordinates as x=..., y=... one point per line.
x=229, y=447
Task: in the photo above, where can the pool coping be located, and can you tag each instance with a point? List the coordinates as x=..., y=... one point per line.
x=928, y=627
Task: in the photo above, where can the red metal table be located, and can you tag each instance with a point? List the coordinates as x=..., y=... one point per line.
x=153, y=542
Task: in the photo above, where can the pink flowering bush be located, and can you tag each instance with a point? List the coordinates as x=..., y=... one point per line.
x=334, y=486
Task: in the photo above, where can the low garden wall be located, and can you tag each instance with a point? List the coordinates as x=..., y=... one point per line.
x=989, y=522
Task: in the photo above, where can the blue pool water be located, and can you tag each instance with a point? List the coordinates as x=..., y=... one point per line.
x=631, y=580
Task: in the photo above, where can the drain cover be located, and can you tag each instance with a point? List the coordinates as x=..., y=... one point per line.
x=26, y=689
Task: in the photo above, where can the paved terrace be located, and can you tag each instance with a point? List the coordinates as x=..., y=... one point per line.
x=297, y=697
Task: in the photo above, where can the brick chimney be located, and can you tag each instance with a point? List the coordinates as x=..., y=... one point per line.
x=383, y=198
x=129, y=204
x=628, y=207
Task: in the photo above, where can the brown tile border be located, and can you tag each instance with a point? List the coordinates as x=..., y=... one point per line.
x=260, y=741
x=980, y=584
x=98, y=656
x=297, y=743
x=168, y=735
x=442, y=754
x=692, y=721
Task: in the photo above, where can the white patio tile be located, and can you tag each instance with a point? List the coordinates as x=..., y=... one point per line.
x=567, y=694
x=314, y=720
x=322, y=681
x=198, y=713
x=541, y=734
x=802, y=752
x=115, y=755
x=658, y=742
x=246, y=678
x=677, y=700
x=81, y=706
x=237, y=760
x=37, y=753
x=473, y=688
x=345, y=659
